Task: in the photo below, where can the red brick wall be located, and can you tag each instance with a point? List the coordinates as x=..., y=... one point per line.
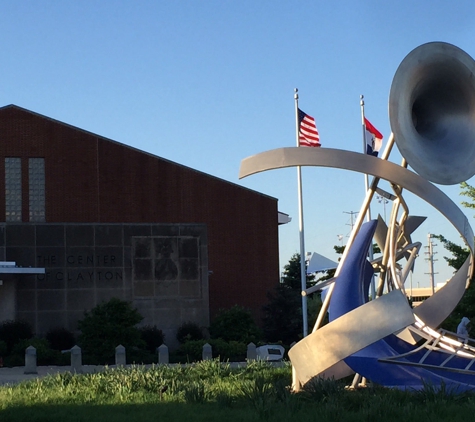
x=92, y=179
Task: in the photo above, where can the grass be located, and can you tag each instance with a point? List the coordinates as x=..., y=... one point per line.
x=212, y=391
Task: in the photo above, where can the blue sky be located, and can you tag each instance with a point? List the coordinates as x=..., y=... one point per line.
x=208, y=83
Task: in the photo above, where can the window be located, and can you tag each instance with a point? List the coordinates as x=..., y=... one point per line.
x=36, y=180
x=12, y=189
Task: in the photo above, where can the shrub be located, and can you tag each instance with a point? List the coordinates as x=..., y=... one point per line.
x=60, y=338
x=14, y=360
x=152, y=337
x=44, y=354
x=189, y=331
x=12, y=331
x=106, y=326
x=235, y=324
x=141, y=357
x=3, y=348
x=234, y=351
x=192, y=350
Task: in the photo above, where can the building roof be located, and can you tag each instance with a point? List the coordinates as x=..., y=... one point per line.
x=32, y=113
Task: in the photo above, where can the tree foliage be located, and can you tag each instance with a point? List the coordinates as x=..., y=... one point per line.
x=468, y=191
x=189, y=331
x=291, y=275
x=459, y=253
x=466, y=306
x=13, y=331
x=235, y=324
x=152, y=336
x=106, y=326
x=60, y=338
x=283, y=313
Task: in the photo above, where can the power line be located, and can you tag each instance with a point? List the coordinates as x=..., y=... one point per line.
x=431, y=260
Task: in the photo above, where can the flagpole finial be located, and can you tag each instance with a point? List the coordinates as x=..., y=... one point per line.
x=361, y=99
x=296, y=95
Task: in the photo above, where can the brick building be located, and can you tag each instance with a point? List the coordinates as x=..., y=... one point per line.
x=107, y=220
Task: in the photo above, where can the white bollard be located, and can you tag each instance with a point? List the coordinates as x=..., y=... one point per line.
x=30, y=360
x=251, y=351
x=163, y=356
x=207, y=352
x=120, y=355
x=76, y=359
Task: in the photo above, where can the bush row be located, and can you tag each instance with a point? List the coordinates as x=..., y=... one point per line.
x=115, y=322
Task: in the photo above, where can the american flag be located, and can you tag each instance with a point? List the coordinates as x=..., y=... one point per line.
x=308, y=133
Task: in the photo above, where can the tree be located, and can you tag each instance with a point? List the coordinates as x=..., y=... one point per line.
x=235, y=324
x=283, y=313
x=469, y=191
x=291, y=276
x=13, y=331
x=466, y=306
x=108, y=325
x=459, y=253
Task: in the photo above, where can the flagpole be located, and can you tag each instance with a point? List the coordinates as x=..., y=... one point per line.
x=366, y=186
x=303, y=269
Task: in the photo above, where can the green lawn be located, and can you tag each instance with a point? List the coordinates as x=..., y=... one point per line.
x=210, y=391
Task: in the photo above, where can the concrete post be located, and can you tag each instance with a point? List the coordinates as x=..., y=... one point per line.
x=163, y=357
x=207, y=352
x=76, y=359
x=30, y=360
x=120, y=355
x=251, y=351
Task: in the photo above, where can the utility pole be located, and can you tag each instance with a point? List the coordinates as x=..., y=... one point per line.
x=352, y=214
x=431, y=260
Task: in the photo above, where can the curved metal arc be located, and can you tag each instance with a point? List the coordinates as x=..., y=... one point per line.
x=435, y=309
x=362, y=163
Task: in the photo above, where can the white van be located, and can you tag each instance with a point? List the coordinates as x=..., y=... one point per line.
x=270, y=352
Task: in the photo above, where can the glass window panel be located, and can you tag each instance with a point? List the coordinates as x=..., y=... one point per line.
x=12, y=189
x=36, y=180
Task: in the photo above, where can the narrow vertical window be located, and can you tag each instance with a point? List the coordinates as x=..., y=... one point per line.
x=12, y=189
x=36, y=180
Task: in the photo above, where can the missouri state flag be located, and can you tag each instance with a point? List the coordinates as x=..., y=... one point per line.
x=308, y=133
x=374, y=138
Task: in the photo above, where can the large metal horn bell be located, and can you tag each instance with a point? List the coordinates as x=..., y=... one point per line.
x=432, y=112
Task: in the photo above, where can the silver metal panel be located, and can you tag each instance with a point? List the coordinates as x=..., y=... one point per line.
x=322, y=350
x=381, y=233
x=338, y=371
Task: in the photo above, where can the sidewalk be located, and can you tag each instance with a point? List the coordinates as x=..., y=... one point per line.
x=17, y=374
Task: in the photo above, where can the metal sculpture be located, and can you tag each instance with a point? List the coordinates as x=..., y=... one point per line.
x=432, y=116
